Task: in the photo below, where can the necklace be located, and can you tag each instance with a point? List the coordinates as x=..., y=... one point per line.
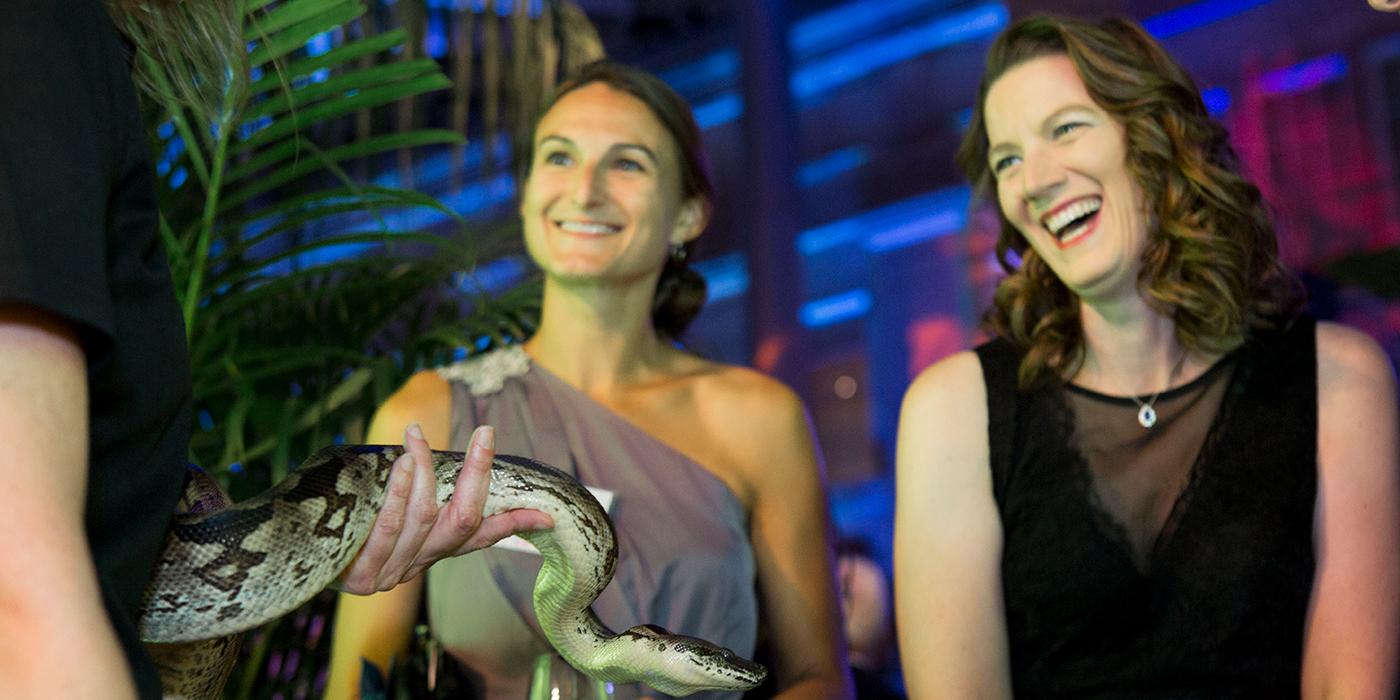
x=1147, y=415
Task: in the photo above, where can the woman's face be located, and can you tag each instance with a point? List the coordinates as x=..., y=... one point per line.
x=603, y=199
x=1060, y=164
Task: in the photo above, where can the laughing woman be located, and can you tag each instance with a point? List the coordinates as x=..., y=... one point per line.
x=1159, y=479
x=715, y=486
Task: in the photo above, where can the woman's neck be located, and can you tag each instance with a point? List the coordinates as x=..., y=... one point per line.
x=1130, y=348
x=597, y=338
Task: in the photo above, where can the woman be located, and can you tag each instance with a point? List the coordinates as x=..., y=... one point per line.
x=1158, y=480
x=711, y=469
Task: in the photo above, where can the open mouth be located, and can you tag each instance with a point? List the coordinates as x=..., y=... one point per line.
x=587, y=228
x=1070, y=222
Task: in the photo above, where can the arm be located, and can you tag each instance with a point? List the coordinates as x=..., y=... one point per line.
x=790, y=534
x=411, y=532
x=948, y=540
x=51, y=611
x=1353, y=626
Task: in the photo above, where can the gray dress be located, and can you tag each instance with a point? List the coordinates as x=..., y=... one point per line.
x=684, y=559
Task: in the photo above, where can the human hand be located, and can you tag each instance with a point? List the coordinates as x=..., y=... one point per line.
x=412, y=533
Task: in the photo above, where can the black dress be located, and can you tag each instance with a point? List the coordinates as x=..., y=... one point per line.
x=1166, y=562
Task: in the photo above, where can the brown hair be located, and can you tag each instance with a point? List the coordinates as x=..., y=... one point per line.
x=680, y=291
x=1211, y=263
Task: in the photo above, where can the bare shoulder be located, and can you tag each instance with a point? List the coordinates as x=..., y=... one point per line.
x=426, y=399
x=951, y=388
x=1346, y=355
x=747, y=400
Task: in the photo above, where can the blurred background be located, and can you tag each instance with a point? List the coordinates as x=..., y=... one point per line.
x=845, y=255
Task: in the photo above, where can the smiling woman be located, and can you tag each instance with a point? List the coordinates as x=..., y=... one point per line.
x=1158, y=479
x=714, y=483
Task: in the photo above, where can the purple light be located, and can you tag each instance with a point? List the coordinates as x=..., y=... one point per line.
x=1303, y=76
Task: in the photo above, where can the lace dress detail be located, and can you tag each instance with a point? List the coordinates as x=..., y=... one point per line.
x=486, y=374
x=1171, y=562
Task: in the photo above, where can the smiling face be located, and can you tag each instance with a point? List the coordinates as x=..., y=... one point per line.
x=603, y=199
x=1060, y=164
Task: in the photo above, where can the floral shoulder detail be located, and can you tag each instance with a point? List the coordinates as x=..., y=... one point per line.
x=486, y=374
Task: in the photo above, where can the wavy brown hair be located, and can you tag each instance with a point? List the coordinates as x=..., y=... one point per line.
x=1211, y=262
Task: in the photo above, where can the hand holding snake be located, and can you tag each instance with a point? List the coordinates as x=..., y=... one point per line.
x=234, y=568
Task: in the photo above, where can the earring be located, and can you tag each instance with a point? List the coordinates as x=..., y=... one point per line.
x=678, y=253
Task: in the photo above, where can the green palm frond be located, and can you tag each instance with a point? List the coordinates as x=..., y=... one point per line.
x=310, y=291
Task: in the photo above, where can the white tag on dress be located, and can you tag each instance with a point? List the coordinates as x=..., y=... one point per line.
x=518, y=543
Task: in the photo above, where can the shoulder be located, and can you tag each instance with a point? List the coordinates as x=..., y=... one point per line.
x=953, y=385
x=746, y=399
x=1346, y=354
x=424, y=393
x=487, y=374
x=1355, y=380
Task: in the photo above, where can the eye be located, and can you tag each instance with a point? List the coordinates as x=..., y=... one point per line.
x=629, y=165
x=1067, y=128
x=1003, y=163
x=556, y=158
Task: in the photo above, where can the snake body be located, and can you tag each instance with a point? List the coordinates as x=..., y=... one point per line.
x=232, y=568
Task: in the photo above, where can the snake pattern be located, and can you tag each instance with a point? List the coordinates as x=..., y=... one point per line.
x=228, y=568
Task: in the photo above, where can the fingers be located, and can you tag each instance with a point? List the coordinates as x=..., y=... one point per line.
x=360, y=577
x=420, y=516
x=462, y=515
x=502, y=525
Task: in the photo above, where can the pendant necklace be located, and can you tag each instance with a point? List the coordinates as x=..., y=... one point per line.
x=1147, y=415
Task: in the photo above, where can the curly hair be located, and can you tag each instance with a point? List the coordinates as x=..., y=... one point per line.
x=680, y=291
x=1211, y=262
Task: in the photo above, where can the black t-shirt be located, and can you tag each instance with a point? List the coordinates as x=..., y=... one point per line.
x=78, y=237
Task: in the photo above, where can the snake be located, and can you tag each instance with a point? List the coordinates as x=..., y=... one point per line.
x=227, y=568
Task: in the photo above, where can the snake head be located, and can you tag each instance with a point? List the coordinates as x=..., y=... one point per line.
x=686, y=665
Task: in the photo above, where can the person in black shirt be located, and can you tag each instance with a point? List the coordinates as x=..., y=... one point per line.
x=94, y=378
x=1158, y=480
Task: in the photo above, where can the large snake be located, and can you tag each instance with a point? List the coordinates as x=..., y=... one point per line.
x=236, y=567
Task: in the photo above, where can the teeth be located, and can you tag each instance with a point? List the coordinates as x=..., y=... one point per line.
x=1061, y=219
x=588, y=228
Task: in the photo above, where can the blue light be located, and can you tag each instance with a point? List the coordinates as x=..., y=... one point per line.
x=937, y=223
x=827, y=30
x=1196, y=15
x=236, y=468
x=720, y=110
x=962, y=119
x=178, y=178
x=726, y=276
x=716, y=68
x=1217, y=101
x=166, y=129
x=902, y=223
x=493, y=276
x=816, y=77
x=319, y=45
x=834, y=309
x=435, y=40
x=1303, y=76
x=832, y=164
x=206, y=421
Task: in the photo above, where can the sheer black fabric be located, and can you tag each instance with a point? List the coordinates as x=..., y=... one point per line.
x=1170, y=562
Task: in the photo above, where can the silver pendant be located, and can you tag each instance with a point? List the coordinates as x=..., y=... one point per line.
x=1147, y=416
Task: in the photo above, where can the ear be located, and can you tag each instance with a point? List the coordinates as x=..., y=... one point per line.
x=692, y=218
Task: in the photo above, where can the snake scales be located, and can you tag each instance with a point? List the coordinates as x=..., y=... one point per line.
x=232, y=568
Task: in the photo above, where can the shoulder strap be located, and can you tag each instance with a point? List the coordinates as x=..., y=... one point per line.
x=1000, y=363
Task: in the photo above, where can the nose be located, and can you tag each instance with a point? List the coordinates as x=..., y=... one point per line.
x=1042, y=176
x=590, y=185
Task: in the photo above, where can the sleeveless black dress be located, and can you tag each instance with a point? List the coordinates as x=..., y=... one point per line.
x=1166, y=562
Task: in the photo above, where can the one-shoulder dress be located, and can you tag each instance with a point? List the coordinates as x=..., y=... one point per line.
x=684, y=559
